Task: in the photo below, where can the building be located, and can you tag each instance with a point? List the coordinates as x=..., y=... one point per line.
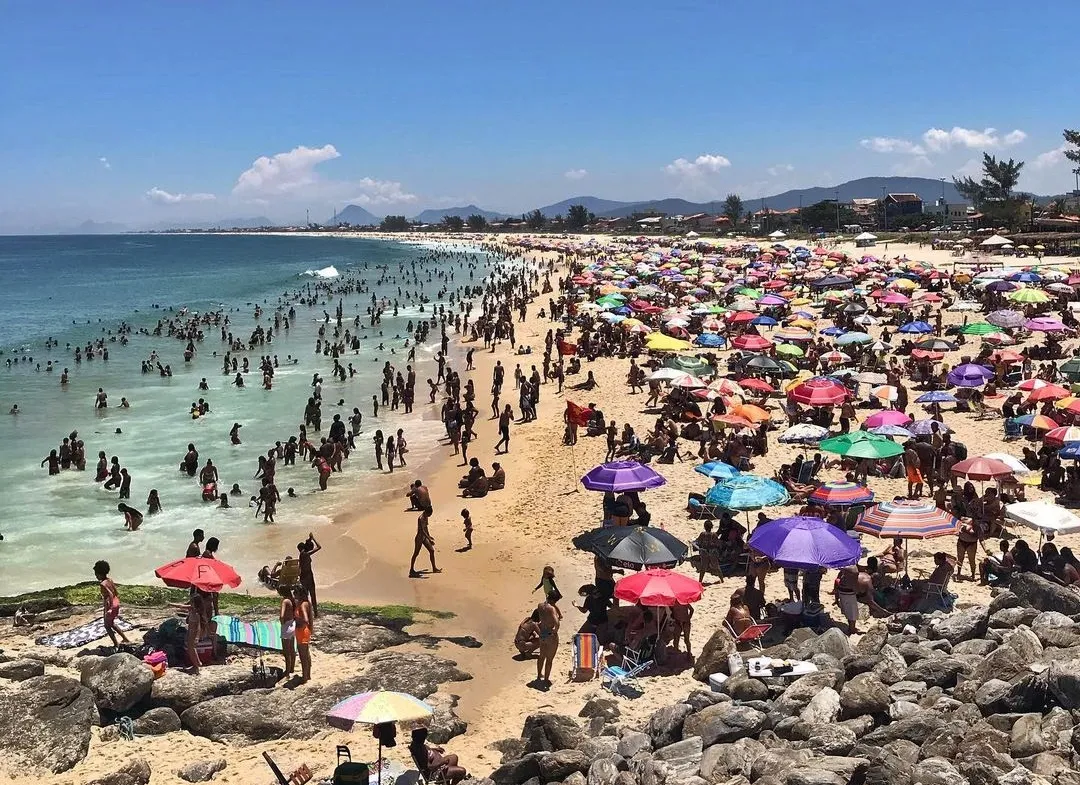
x=695, y=221
x=903, y=204
x=864, y=208
x=951, y=213
x=776, y=218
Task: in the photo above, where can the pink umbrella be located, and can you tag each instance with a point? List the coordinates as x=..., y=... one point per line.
x=888, y=417
x=895, y=298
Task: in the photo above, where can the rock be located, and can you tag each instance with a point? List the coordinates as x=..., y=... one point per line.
x=1011, y=618
x=908, y=691
x=602, y=772
x=1021, y=776
x=823, y=708
x=1002, y=663
x=989, y=696
x=864, y=694
x=713, y=657
x=916, y=728
x=943, y=743
x=625, y=778
x=978, y=647
x=1025, y=737
x=575, y=778
x=798, y=694
x=118, y=681
x=1024, y=642
x=844, y=769
x=887, y=769
x=267, y=714
x=833, y=642
x=872, y=640
x=45, y=722
x=550, y=732
x=157, y=722
x=1063, y=682
x=683, y=757
x=135, y=772
x=936, y=771
x=600, y=747
x=444, y=724
x=632, y=743
x=559, y=765
x=830, y=739
x=776, y=762
x=892, y=667
x=724, y=722
x=21, y=670
x=962, y=626
x=601, y=706
x=201, y=770
x=348, y=635
x=1039, y=593
x=914, y=650
x=180, y=691
x=665, y=725
x=744, y=688
x=735, y=759
x=519, y=771
x=1056, y=629
x=1027, y=693
x=1004, y=599
x=937, y=672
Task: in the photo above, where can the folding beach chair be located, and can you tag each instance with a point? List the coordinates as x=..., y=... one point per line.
x=587, y=653
x=616, y=678
x=1013, y=430
x=427, y=777
x=298, y=777
x=752, y=635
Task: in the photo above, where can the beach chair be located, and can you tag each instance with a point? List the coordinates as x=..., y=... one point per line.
x=617, y=678
x=426, y=776
x=347, y=772
x=1013, y=430
x=852, y=516
x=752, y=635
x=587, y=655
x=298, y=777
x=938, y=596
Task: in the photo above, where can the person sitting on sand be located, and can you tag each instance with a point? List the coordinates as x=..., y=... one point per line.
x=434, y=764
x=999, y=566
x=527, y=639
x=497, y=480
x=893, y=559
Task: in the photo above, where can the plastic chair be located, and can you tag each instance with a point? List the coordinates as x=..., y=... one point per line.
x=752, y=635
x=587, y=654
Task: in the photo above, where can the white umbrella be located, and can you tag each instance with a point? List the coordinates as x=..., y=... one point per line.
x=865, y=320
x=667, y=375
x=1043, y=516
x=965, y=305
x=1011, y=461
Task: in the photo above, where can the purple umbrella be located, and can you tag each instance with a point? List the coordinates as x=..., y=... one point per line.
x=926, y=427
x=970, y=375
x=1001, y=286
x=1006, y=318
x=1044, y=324
x=804, y=542
x=621, y=476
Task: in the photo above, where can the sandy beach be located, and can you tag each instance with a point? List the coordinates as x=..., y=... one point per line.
x=518, y=531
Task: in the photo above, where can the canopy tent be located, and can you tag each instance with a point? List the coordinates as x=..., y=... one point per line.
x=777, y=235
x=865, y=240
x=995, y=241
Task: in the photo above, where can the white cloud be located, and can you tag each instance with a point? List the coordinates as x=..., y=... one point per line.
x=283, y=173
x=375, y=192
x=973, y=168
x=889, y=144
x=1051, y=158
x=909, y=167
x=706, y=163
x=161, y=196
x=105, y=162
x=938, y=139
x=575, y=174
x=780, y=169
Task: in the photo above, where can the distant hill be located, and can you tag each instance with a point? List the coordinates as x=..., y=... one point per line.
x=356, y=215
x=666, y=206
x=93, y=227
x=436, y=216
x=593, y=204
x=225, y=223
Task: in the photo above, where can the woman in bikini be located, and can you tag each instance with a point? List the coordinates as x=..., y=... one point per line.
x=110, y=601
x=304, y=621
x=287, y=617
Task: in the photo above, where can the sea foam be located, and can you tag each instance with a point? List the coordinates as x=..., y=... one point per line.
x=326, y=272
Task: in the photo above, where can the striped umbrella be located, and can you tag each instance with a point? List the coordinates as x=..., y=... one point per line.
x=840, y=494
x=375, y=708
x=1038, y=422
x=909, y=519
x=1061, y=436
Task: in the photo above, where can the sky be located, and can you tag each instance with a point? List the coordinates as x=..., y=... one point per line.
x=156, y=113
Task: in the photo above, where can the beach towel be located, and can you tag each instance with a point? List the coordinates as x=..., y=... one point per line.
x=258, y=634
x=81, y=635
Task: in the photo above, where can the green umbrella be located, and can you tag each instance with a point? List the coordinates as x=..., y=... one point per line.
x=789, y=349
x=979, y=328
x=691, y=365
x=1070, y=369
x=755, y=293
x=861, y=444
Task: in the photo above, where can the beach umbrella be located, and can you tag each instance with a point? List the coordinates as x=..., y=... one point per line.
x=1002, y=286
x=689, y=382
x=1044, y=324
x=853, y=338
x=1070, y=452
x=805, y=541
x=665, y=343
x=981, y=468
x=978, y=328
x=790, y=350
x=1026, y=276
x=733, y=420
x=835, y=357
x=667, y=375
x=936, y=396
x=1029, y=296
x=935, y=345
x=1043, y=516
x=758, y=385
x=658, y=588
x=376, y=708
x=1047, y=392
x=916, y=327
x=926, y=427
x=922, y=354
x=885, y=392
x=1062, y=436
x=841, y=494
x=861, y=444
x=892, y=430
x=970, y=375
x=751, y=342
x=747, y=411
x=819, y=392
x=763, y=364
x=1070, y=369
x=909, y=519
x=633, y=547
x=1038, y=422
x=1006, y=318
x=804, y=432
x=1033, y=383
x=1006, y=356
x=691, y=365
x=211, y=575
x=717, y=470
x=620, y=476
x=887, y=417
x=710, y=341
x=747, y=492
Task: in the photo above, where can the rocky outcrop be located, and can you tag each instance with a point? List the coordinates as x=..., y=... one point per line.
x=346, y=635
x=45, y=722
x=157, y=722
x=21, y=670
x=118, y=681
x=1037, y=592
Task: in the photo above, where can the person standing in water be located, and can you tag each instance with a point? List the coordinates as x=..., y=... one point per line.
x=110, y=601
x=307, y=549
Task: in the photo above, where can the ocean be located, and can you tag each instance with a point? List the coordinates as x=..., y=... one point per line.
x=79, y=289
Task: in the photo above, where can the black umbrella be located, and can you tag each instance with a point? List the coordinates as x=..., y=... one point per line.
x=831, y=282
x=763, y=363
x=634, y=547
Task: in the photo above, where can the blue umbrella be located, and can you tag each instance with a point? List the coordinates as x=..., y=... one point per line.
x=717, y=470
x=926, y=427
x=766, y=321
x=1026, y=276
x=747, y=492
x=709, y=340
x=936, y=396
x=1070, y=450
x=833, y=331
x=916, y=327
x=805, y=541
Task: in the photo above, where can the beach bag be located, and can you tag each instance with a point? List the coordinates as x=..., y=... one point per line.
x=158, y=662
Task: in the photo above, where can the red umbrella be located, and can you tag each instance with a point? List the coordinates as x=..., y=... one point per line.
x=1050, y=392
x=658, y=588
x=205, y=574
x=753, y=383
x=819, y=392
x=982, y=469
x=752, y=342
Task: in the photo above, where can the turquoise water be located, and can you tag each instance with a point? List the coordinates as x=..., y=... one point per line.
x=80, y=289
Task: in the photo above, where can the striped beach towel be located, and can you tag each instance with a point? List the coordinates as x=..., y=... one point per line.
x=257, y=634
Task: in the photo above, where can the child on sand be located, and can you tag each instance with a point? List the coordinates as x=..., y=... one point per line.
x=551, y=592
x=467, y=520
x=110, y=602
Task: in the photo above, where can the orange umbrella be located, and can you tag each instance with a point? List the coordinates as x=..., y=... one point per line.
x=733, y=420
x=754, y=414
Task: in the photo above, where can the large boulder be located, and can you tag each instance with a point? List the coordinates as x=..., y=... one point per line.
x=724, y=722
x=135, y=772
x=937, y=771
x=864, y=694
x=347, y=635
x=833, y=642
x=683, y=757
x=157, y=722
x=1056, y=629
x=45, y=723
x=545, y=732
x=730, y=760
x=180, y=691
x=1002, y=663
x=1036, y=591
x=1011, y=618
x=799, y=693
x=1063, y=682
x=665, y=726
x=118, y=681
x=556, y=766
x=21, y=670
x=892, y=667
x=823, y=708
x=714, y=655
x=915, y=728
x=266, y=714
x=935, y=672
x=962, y=626
x=444, y=724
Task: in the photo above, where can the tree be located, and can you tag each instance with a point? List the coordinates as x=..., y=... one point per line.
x=823, y=214
x=578, y=217
x=453, y=223
x=997, y=183
x=733, y=209
x=476, y=222
x=394, y=223
x=534, y=220
x=1073, y=138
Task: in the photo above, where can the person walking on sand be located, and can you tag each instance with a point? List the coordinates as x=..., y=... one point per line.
x=422, y=540
x=110, y=602
x=305, y=622
x=504, y=429
x=549, y=642
x=307, y=549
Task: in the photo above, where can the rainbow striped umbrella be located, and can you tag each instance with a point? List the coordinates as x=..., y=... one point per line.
x=910, y=519
x=1062, y=436
x=375, y=708
x=840, y=494
x=1039, y=422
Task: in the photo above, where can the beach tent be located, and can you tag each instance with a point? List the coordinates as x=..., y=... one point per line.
x=777, y=235
x=995, y=241
x=692, y=235
x=865, y=240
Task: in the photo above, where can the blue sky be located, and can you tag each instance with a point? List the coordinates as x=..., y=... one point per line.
x=145, y=112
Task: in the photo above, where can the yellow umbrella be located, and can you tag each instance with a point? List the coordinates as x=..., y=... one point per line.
x=903, y=283
x=665, y=343
x=805, y=324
